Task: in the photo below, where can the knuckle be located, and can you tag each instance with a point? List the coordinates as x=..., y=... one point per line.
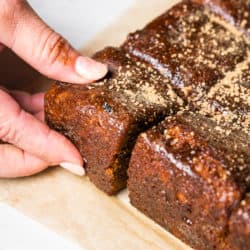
x=9, y=14
x=8, y=132
x=56, y=48
x=9, y=5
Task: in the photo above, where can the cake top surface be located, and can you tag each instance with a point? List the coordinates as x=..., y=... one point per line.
x=204, y=56
x=131, y=87
x=228, y=101
x=236, y=12
x=191, y=46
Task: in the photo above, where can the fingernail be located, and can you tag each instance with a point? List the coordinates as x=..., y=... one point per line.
x=73, y=168
x=90, y=69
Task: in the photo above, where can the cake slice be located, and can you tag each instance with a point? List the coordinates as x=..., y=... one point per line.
x=189, y=45
x=189, y=174
x=103, y=119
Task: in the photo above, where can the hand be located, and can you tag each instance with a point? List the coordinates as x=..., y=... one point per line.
x=29, y=145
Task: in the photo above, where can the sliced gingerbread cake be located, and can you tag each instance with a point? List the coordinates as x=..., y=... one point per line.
x=191, y=173
x=182, y=85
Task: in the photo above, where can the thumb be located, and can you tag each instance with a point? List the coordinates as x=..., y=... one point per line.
x=30, y=38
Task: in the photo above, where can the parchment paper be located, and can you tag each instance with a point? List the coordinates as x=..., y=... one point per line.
x=71, y=205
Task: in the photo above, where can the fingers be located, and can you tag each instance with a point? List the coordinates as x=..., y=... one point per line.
x=15, y=162
x=30, y=38
x=31, y=103
x=28, y=133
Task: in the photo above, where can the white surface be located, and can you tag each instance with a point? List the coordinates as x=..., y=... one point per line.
x=18, y=232
x=79, y=20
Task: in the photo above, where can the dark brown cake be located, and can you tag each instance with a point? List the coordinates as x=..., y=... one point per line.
x=103, y=119
x=235, y=12
x=189, y=45
x=191, y=172
x=188, y=175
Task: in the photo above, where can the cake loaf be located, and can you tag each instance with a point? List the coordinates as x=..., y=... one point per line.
x=103, y=119
x=189, y=174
